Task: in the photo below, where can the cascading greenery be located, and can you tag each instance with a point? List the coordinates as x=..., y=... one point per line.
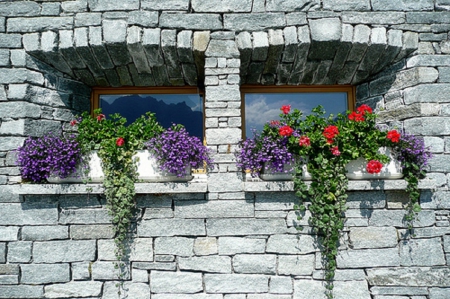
x=116, y=144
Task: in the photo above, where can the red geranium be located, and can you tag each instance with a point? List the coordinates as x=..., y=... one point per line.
x=374, y=166
x=286, y=131
x=73, y=123
x=335, y=151
x=356, y=116
x=286, y=109
x=330, y=132
x=100, y=117
x=120, y=141
x=304, y=141
x=364, y=108
x=393, y=136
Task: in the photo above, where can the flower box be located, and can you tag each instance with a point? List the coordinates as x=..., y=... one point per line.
x=90, y=172
x=149, y=170
x=357, y=169
x=268, y=174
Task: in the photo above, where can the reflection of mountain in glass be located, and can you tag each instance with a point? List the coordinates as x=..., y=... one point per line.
x=133, y=106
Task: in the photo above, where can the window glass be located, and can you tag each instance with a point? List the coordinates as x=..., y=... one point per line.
x=185, y=109
x=261, y=107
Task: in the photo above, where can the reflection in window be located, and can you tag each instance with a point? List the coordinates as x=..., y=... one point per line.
x=261, y=107
x=185, y=109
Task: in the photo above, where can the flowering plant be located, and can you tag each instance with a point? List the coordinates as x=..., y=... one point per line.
x=175, y=149
x=51, y=154
x=269, y=150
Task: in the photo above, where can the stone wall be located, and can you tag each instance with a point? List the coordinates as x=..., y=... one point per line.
x=224, y=237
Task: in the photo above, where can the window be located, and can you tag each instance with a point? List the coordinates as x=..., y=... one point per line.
x=180, y=105
x=263, y=104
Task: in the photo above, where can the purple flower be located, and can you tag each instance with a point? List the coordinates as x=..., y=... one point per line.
x=50, y=154
x=175, y=149
x=412, y=150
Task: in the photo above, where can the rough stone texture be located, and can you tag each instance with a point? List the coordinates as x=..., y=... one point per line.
x=44, y=273
x=74, y=289
x=426, y=252
x=64, y=251
x=175, y=282
x=237, y=283
x=412, y=276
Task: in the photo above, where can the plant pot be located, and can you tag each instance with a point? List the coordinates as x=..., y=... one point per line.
x=356, y=169
x=90, y=171
x=148, y=169
x=286, y=175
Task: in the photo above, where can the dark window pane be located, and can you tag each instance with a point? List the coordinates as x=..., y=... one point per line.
x=263, y=107
x=185, y=109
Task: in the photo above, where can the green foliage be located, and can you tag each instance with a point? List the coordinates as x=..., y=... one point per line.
x=116, y=145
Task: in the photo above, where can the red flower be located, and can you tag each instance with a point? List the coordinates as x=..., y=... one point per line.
x=330, y=132
x=286, y=109
x=364, y=108
x=274, y=123
x=356, y=116
x=100, y=117
x=73, y=122
x=120, y=141
x=393, y=136
x=286, y=131
x=374, y=166
x=304, y=141
x=335, y=151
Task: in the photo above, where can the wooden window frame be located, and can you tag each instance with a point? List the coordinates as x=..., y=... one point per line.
x=349, y=89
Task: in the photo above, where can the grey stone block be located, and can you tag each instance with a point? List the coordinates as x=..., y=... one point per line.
x=368, y=258
x=174, y=246
x=85, y=216
x=236, y=283
x=115, y=36
x=211, y=264
x=74, y=6
x=80, y=232
x=28, y=213
x=254, y=21
x=219, y=6
x=44, y=233
x=19, y=8
x=10, y=40
x=222, y=48
x=44, y=273
x=74, y=289
x=171, y=227
x=105, y=5
x=136, y=49
x=255, y=263
x=373, y=237
x=213, y=209
x=290, y=5
x=163, y=266
x=399, y=290
x=64, y=251
x=430, y=126
x=205, y=246
x=296, y=19
x=81, y=271
x=175, y=282
x=2, y=253
x=143, y=18
x=292, y=244
x=165, y=5
x=224, y=136
x=9, y=233
x=385, y=18
x=409, y=276
x=19, y=252
x=347, y=5
x=141, y=249
x=24, y=25
x=438, y=17
x=22, y=291
x=184, y=46
x=420, y=5
x=109, y=271
x=151, y=40
x=422, y=252
x=235, y=245
x=281, y=285
x=88, y=19
x=296, y=264
x=99, y=49
x=198, y=21
x=439, y=293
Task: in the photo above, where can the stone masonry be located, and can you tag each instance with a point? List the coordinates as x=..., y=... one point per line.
x=223, y=237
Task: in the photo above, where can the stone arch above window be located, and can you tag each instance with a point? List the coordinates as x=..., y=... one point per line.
x=326, y=51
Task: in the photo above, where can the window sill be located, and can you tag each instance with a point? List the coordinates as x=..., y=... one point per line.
x=257, y=185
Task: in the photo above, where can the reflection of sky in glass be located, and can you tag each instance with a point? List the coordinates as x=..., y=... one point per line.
x=263, y=107
x=192, y=100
